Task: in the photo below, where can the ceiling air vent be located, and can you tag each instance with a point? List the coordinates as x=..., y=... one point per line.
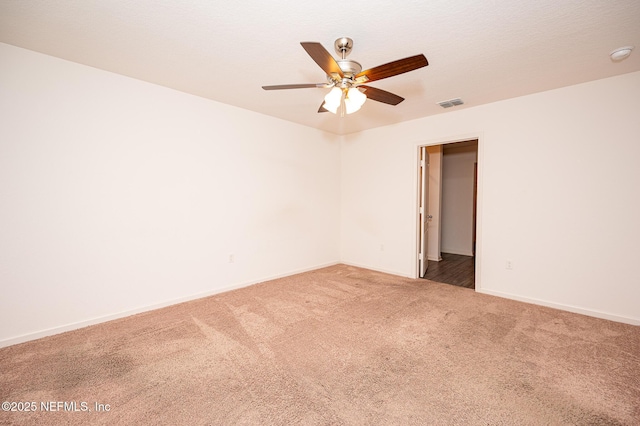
x=450, y=103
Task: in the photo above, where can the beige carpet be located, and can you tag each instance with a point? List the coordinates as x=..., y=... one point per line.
x=340, y=345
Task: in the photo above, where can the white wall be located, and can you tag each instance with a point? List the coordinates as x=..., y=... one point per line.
x=558, y=195
x=457, y=198
x=117, y=195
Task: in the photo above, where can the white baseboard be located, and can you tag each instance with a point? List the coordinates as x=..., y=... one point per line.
x=562, y=307
x=460, y=252
x=371, y=268
x=93, y=321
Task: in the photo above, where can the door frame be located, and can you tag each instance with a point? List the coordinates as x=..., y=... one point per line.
x=478, y=204
x=424, y=173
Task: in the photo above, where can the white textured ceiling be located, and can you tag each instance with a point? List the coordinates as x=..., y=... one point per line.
x=480, y=51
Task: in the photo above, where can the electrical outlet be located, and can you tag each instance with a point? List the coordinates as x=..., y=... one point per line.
x=508, y=264
x=381, y=247
x=232, y=258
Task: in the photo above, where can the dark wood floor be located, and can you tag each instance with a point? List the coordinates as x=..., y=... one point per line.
x=453, y=269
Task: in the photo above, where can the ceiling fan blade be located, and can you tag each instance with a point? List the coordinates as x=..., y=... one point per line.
x=321, y=109
x=382, y=95
x=394, y=68
x=322, y=58
x=293, y=86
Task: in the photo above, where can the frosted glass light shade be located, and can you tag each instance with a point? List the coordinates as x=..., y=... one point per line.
x=354, y=100
x=332, y=100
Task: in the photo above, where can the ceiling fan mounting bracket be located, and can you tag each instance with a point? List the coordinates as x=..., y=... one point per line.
x=343, y=46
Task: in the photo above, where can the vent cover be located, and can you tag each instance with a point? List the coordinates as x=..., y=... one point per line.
x=451, y=103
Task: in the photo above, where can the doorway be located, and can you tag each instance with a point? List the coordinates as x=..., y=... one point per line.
x=447, y=212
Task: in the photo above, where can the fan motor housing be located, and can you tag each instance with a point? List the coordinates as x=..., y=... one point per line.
x=349, y=67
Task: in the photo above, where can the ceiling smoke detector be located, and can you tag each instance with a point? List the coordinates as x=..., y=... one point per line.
x=621, y=53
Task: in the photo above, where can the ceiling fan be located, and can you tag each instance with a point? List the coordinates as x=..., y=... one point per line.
x=347, y=79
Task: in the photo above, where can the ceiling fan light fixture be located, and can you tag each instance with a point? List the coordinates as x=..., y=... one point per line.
x=332, y=100
x=354, y=100
x=350, y=106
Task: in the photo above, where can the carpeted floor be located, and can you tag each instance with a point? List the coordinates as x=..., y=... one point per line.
x=340, y=345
